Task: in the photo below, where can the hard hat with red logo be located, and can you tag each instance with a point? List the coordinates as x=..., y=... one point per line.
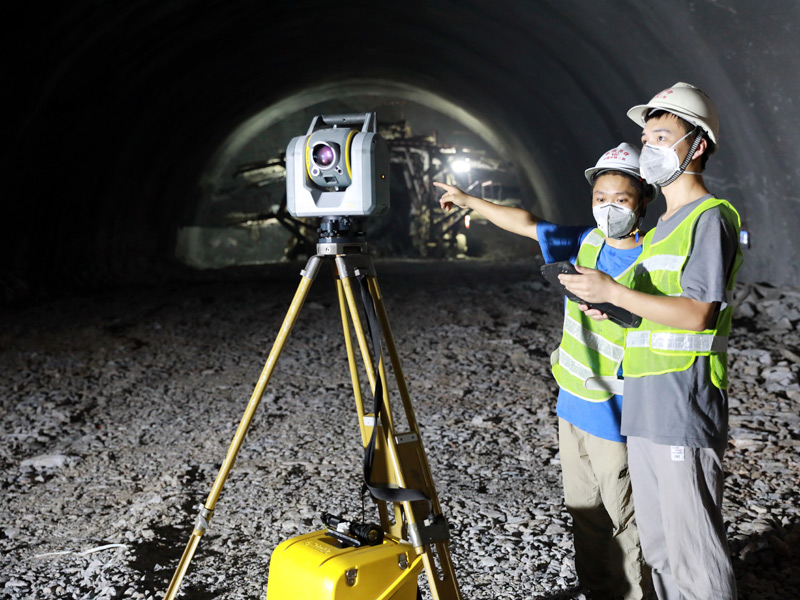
x=685, y=101
x=623, y=158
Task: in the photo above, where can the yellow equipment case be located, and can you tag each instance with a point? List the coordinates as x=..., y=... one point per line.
x=316, y=566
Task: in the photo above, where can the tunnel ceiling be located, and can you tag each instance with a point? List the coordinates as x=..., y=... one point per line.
x=119, y=107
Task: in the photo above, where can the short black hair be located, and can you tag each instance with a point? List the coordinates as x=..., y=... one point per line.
x=687, y=127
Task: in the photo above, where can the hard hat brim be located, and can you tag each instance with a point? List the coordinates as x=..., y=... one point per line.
x=593, y=172
x=638, y=112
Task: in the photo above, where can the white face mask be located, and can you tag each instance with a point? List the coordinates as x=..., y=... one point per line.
x=660, y=164
x=614, y=220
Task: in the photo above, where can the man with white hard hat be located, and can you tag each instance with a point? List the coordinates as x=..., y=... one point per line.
x=594, y=463
x=675, y=414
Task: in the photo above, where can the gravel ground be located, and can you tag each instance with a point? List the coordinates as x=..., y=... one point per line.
x=118, y=408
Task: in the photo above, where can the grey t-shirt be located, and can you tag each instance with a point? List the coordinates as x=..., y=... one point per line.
x=685, y=408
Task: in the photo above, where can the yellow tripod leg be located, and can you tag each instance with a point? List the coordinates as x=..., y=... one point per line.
x=442, y=580
x=351, y=359
x=393, y=527
x=406, y=466
x=346, y=305
x=308, y=275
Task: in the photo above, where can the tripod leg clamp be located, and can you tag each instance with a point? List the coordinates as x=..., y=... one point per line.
x=201, y=525
x=312, y=268
x=423, y=534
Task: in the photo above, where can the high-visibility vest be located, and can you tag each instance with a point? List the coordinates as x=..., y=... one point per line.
x=652, y=348
x=587, y=361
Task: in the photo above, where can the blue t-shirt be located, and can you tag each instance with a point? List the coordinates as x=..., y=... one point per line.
x=562, y=242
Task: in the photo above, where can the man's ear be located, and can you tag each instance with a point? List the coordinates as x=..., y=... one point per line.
x=701, y=148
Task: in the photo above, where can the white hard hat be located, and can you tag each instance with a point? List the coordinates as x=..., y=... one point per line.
x=623, y=158
x=685, y=101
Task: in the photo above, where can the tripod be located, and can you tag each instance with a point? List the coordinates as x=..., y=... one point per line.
x=396, y=469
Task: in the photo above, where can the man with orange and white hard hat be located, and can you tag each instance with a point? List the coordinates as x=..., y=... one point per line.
x=675, y=414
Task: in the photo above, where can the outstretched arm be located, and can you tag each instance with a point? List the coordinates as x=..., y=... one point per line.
x=674, y=311
x=510, y=218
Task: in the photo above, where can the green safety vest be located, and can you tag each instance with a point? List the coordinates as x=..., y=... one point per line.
x=587, y=361
x=654, y=349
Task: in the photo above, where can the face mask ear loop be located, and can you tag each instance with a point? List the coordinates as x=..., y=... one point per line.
x=639, y=222
x=642, y=212
x=635, y=231
x=688, y=158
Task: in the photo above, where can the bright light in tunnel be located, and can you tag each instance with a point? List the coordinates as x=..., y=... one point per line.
x=461, y=166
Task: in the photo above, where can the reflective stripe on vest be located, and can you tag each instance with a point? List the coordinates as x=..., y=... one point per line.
x=593, y=340
x=595, y=238
x=662, y=262
x=614, y=385
x=572, y=366
x=677, y=342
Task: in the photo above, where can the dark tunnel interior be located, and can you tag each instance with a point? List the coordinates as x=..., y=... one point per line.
x=148, y=261
x=128, y=121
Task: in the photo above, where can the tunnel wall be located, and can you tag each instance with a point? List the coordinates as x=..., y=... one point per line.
x=118, y=107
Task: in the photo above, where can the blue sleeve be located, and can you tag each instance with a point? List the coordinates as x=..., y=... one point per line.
x=560, y=242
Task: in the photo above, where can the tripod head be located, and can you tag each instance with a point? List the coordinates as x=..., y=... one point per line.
x=341, y=235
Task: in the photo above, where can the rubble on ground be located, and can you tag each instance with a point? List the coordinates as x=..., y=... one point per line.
x=118, y=408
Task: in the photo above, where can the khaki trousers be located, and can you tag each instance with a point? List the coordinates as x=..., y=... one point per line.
x=598, y=496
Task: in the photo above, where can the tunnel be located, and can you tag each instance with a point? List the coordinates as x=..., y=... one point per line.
x=119, y=114
x=147, y=266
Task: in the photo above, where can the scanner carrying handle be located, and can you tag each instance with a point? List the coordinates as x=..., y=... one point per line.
x=367, y=121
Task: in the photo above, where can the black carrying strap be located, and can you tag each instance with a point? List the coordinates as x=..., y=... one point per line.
x=689, y=156
x=383, y=492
